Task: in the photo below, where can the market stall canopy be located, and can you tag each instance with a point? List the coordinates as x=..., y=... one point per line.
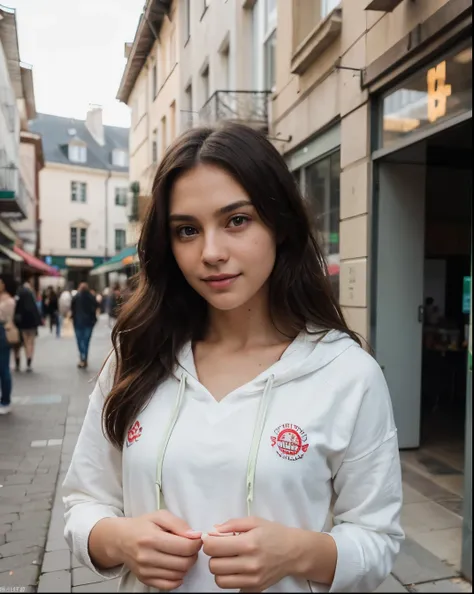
x=10, y=255
x=124, y=258
x=36, y=263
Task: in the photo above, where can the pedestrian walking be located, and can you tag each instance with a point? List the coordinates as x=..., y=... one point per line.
x=115, y=304
x=237, y=402
x=9, y=335
x=84, y=317
x=51, y=310
x=64, y=307
x=27, y=319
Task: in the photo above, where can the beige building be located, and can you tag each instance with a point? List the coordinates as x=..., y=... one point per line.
x=373, y=106
x=198, y=62
x=84, y=192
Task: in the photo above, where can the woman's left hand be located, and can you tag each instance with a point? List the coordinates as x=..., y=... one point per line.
x=260, y=555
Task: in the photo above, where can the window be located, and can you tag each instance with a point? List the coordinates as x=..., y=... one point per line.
x=322, y=189
x=188, y=111
x=172, y=49
x=120, y=239
x=269, y=49
x=154, y=147
x=154, y=82
x=78, y=238
x=121, y=196
x=83, y=238
x=164, y=136
x=187, y=21
x=327, y=6
x=73, y=237
x=78, y=191
x=172, y=121
x=119, y=158
x=205, y=84
x=77, y=153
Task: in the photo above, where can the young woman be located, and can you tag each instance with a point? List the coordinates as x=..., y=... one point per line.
x=7, y=311
x=27, y=319
x=237, y=402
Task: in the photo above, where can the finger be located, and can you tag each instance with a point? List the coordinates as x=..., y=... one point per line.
x=158, y=573
x=164, y=585
x=171, y=523
x=230, y=565
x=169, y=543
x=172, y=562
x=245, y=583
x=216, y=546
x=239, y=524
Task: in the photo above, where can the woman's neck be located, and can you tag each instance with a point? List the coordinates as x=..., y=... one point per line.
x=248, y=326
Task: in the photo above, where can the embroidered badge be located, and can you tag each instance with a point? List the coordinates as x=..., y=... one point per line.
x=291, y=442
x=134, y=433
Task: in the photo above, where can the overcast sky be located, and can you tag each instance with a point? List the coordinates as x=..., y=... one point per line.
x=76, y=49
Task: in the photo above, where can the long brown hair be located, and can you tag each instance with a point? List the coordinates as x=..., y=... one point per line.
x=165, y=312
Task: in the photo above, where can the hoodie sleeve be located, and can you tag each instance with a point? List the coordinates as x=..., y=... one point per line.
x=368, y=493
x=92, y=489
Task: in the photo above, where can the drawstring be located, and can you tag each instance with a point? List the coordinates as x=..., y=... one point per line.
x=253, y=454
x=164, y=444
x=256, y=439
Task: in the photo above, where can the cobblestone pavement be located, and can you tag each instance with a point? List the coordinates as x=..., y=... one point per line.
x=36, y=445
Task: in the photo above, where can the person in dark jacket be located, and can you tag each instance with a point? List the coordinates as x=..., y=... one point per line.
x=27, y=319
x=84, y=317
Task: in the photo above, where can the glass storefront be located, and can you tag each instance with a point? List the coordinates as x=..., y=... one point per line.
x=435, y=94
x=320, y=184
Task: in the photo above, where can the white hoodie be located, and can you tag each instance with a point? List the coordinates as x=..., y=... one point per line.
x=316, y=426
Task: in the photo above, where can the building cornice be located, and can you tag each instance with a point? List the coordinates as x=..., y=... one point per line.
x=146, y=34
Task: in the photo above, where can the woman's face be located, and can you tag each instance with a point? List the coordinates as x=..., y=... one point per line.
x=221, y=245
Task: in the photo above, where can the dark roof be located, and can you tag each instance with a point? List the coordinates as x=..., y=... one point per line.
x=55, y=134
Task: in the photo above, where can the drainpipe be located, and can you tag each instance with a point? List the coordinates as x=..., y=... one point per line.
x=107, y=179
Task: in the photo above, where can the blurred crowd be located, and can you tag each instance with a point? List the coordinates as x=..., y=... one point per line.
x=24, y=309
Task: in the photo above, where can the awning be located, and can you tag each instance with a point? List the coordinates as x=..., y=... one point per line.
x=79, y=262
x=36, y=263
x=10, y=255
x=117, y=262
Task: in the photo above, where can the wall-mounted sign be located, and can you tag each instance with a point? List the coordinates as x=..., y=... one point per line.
x=466, y=295
x=433, y=94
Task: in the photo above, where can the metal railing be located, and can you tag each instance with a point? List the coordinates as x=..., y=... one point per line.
x=245, y=107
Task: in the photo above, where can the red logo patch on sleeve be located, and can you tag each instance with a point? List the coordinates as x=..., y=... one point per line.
x=134, y=433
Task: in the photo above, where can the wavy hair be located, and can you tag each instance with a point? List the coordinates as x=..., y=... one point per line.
x=164, y=312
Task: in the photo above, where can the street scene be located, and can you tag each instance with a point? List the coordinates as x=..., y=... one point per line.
x=369, y=105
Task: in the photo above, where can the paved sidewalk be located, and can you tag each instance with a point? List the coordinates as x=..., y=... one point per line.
x=36, y=445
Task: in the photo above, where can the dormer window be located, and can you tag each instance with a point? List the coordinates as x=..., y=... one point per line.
x=77, y=152
x=119, y=158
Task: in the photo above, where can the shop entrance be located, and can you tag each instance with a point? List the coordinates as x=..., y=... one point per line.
x=421, y=304
x=422, y=310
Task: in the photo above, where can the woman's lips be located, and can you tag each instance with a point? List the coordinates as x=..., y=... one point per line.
x=221, y=283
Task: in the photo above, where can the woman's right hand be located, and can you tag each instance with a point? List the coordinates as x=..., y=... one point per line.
x=158, y=548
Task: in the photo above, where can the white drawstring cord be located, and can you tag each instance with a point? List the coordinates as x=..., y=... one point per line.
x=256, y=439
x=164, y=444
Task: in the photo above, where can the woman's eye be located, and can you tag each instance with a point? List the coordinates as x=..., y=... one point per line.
x=238, y=221
x=186, y=231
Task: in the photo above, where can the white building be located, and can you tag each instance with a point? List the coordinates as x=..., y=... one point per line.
x=84, y=190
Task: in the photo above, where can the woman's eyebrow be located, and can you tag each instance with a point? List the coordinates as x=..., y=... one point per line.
x=224, y=210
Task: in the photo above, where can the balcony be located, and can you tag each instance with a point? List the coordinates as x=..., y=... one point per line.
x=13, y=194
x=243, y=107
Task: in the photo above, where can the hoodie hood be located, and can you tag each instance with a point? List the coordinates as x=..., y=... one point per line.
x=310, y=351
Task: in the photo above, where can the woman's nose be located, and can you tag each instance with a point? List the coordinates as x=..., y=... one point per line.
x=214, y=250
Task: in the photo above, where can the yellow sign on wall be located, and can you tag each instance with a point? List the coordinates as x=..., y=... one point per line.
x=438, y=91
